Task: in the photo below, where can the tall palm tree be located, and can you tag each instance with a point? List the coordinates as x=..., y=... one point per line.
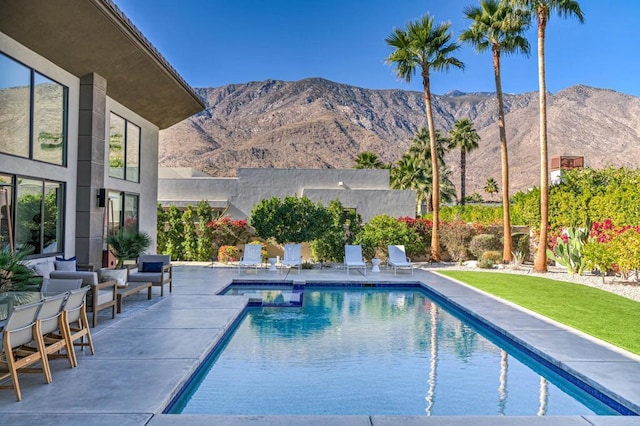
x=496, y=26
x=421, y=145
x=428, y=47
x=542, y=10
x=411, y=172
x=368, y=160
x=464, y=137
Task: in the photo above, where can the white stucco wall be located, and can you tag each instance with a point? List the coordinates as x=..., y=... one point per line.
x=367, y=191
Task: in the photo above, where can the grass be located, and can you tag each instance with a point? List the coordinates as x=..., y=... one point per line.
x=607, y=316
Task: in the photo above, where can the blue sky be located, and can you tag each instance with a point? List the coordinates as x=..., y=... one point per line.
x=218, y=42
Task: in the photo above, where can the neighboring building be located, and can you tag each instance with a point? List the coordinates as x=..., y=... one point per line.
x=561, y=163
x=83, y=95
x=365, y=190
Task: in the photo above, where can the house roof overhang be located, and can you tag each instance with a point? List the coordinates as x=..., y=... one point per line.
x=94, y=36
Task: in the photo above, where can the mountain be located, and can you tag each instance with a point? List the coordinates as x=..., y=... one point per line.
x=316, y=123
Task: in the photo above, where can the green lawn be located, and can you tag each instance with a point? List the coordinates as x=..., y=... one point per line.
x=609, y=317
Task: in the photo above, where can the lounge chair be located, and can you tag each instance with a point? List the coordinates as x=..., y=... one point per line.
x=292, y=257
x=18, y=332
x=398, y=258
x=153, y=268
x=252, y=256
x=353, y=258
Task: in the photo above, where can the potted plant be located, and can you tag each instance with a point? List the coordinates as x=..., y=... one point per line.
x=127, y=245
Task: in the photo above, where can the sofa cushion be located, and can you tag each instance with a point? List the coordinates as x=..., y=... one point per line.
x=152, y=266
x=44, y=268
x=65, y=265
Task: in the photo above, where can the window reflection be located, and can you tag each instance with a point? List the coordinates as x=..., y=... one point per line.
x=133, y=153
x=6, y=212
x=116, y=146
x=131, y=212
x=15, y=83
x=39, y=214
x=48, y=120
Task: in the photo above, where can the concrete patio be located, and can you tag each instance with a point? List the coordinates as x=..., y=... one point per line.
x=145, y=355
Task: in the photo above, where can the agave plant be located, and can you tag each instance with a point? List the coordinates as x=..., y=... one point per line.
x=128, y=245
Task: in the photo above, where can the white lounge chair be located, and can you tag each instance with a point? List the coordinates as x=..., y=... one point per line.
x=292, y=257
x=252, y=256
x=353, y=258
x=398, y=258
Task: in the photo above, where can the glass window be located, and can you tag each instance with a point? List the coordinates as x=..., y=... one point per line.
x=6, y=211
x=32, y=129
x=115, y=211
x=124, y=149
x=116, y=146
x=123, y=212
x=133, y=153
x=15, y=94
x=131, y=212
x=48, y=120
x=39, y=215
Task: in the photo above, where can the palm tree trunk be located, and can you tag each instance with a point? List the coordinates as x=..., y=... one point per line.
x=463, y=174
x=540, y=264
x=504, y=159
x=435, y=193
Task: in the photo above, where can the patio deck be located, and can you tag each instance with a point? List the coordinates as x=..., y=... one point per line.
x=145, y=355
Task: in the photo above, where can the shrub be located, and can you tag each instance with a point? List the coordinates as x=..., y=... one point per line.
x=343, y=228
x=228, y=254
x=455, y=237
x=489, y=259
x=567, y=250
x=483, y=242
x=383, y=230
x=289, y=220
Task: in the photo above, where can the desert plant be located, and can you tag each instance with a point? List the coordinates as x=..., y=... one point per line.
x=568, y=249
x=517, y=259
x=15, y=275
x=127, y=245
x=521, y=243
x=489, y=259
x=483, y=242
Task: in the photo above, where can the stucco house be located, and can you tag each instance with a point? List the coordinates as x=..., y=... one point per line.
x=367, y=191
x=83, y=95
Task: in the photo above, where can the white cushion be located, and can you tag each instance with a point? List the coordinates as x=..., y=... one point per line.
x=65, y=265
x=44, y=269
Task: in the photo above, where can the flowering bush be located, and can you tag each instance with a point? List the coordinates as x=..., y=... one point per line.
x=226, y=231
x=613, y=248
x=228, y=254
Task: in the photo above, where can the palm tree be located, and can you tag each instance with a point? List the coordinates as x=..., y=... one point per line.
x=411, y=173
x=428, y=47
x=465, y=137
x=491, y=186
x=498, y=27
x=368, y=160
x=421, y=145
x=542, y=10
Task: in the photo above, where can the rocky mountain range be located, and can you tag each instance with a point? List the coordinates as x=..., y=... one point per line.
x=316, y=123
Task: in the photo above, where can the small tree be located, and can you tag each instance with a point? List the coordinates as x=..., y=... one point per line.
x=189, y=242
x=383, y=230
x=162, y=236
x=289, y=220
x=343, y=229
x=174, y=234
x=205, y=236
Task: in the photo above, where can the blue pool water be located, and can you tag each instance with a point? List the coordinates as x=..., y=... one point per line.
x=373, y=352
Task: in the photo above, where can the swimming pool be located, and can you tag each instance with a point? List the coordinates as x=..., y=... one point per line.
x=374, y=351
